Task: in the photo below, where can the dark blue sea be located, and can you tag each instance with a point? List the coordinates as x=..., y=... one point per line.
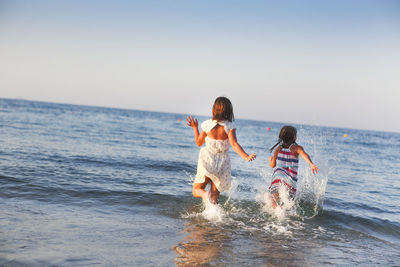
x=93, y=186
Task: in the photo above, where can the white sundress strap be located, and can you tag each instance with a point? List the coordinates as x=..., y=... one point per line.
x=291, y=146
x=228, y=126
x=208, y=125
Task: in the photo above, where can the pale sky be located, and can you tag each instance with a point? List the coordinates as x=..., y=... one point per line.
x=329, y=63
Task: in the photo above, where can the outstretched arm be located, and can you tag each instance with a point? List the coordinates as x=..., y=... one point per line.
x=199, y=138
x=237, y=148
x=272, y=160
x=306, y=157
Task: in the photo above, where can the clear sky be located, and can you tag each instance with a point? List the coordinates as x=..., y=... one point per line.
x=331, y=63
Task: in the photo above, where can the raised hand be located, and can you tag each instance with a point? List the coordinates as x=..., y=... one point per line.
x=192, y=122
x=314, y=168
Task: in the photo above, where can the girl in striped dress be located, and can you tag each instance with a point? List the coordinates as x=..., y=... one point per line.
x=285, y=162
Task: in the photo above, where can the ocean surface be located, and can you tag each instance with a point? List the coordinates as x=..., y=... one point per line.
x=92, y=186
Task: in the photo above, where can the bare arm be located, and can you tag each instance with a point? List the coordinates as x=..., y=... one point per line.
x=272, y=160
x=299, y=150
x=199, y=138
x=237, y=148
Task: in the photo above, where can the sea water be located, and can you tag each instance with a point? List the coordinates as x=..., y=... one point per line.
x=84, y=186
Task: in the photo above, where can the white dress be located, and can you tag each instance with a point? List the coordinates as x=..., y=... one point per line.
x=214, y=161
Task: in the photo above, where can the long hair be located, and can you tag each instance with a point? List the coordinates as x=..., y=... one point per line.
x=287, y=136
x=222, y=109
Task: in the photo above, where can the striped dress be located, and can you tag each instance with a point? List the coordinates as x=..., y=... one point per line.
x=285, y=171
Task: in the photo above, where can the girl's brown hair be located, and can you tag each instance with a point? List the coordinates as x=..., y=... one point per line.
x=222, y=110
x=287, y=136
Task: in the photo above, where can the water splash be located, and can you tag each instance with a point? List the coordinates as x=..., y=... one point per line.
x=311, y=195
x=308, y=201
x=257, y=210
x=311, y=188
x=285, y=205
x=213, y=212
x=232, y=190
x=278, y=228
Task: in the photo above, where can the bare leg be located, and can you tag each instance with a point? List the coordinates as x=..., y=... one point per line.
x=198, y=189
x=214, y=194
x=274, y=199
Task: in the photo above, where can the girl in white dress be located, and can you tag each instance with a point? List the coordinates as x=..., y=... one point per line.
x=214, y=166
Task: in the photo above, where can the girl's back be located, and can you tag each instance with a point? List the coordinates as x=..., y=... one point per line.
x=213, y=166
x=218, y=133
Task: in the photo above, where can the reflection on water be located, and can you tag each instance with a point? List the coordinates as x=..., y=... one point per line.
x=242, y=233
x=247, y=236
x=201, y=245
x=271, y=244
x=231, y=233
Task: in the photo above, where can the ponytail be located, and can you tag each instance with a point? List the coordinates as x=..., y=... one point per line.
x=272, y=148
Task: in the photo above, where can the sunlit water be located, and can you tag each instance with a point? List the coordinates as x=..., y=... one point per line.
x=87, y=186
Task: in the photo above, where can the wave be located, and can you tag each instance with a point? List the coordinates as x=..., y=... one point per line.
x=379, y=228
x=120, y=163
x=339, y=204
x=90, y=196
x=232, y=212
x=251, y=215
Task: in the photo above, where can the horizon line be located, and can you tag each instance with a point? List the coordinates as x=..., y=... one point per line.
x=199, y=115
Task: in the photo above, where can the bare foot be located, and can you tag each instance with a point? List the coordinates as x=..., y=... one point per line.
x=209, y=197
x=214, y=197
